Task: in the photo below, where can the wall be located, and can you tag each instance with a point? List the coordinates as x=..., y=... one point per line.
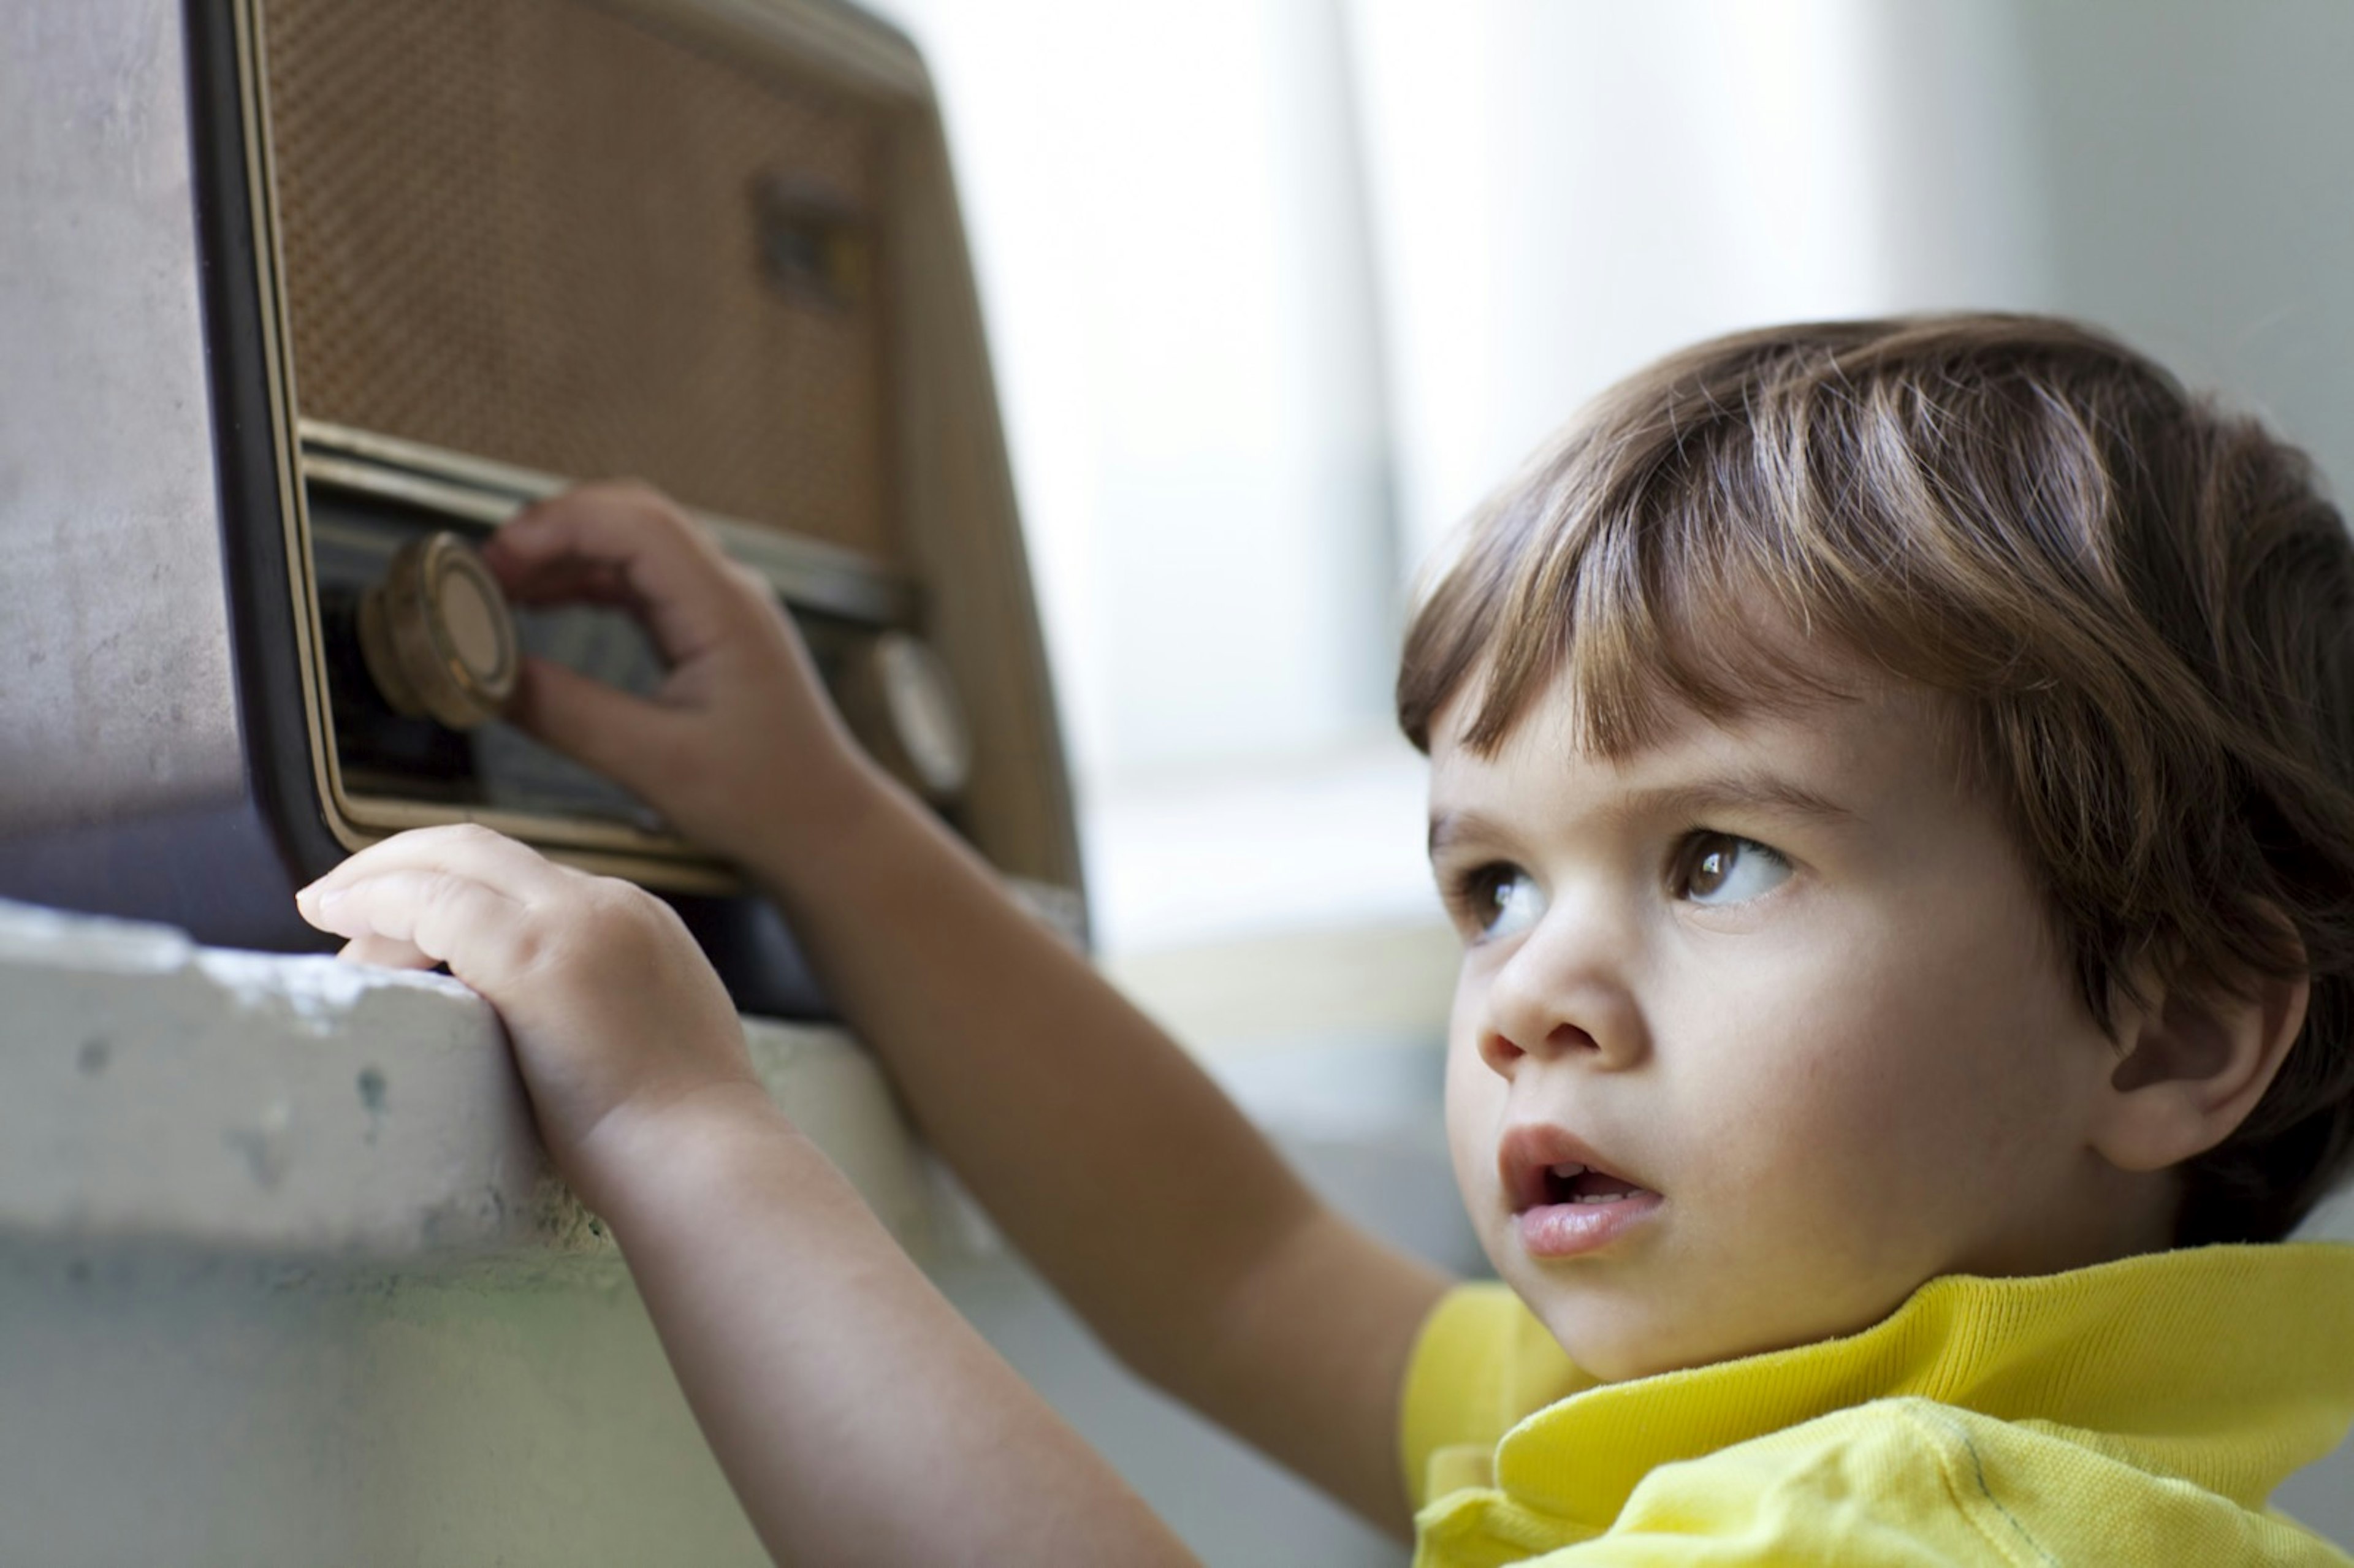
x=2192, y=159
x=284, y=1278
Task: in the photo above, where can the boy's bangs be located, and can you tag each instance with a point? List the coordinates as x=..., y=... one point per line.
x=1652, y=607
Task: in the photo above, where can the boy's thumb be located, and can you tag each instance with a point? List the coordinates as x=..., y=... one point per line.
x=599, y=726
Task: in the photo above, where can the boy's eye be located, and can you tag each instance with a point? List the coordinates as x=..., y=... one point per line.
x=1718, y=868
x=1499, y=901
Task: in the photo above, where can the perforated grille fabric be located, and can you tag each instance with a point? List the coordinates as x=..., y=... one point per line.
x=529, y=231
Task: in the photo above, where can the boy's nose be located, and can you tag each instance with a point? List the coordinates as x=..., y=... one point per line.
x=1503, y=1053
x=1555, y=1002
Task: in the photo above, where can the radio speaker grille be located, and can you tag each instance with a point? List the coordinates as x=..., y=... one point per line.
x=533, y=230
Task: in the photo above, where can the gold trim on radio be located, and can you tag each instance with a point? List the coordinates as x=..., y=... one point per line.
x=261, y=184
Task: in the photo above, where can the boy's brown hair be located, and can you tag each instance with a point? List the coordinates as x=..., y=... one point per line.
x=2144, y=604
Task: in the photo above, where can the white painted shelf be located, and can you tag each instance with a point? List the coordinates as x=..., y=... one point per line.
x=285, y=1278
x=153, y=1091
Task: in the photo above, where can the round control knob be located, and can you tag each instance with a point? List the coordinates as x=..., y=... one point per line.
x=436, y=634
x=899, y=699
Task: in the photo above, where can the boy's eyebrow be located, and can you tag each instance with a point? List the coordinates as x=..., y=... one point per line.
x=1764, y=792
x=1761, y=792
x=1446, y=827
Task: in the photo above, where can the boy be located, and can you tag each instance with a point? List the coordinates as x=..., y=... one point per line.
x=1895, y=784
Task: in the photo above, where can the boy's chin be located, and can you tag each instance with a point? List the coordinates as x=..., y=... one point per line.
x=1618, y=1353
x=1639, y=1318
x=1614, y=1352
x=1611, y=1337
x=1618, y=1339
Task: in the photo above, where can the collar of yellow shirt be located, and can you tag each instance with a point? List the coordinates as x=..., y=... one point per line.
x=2230, y=1367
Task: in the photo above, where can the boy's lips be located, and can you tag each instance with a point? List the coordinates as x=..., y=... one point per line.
x=1565, y=1198
x=1534, y=1157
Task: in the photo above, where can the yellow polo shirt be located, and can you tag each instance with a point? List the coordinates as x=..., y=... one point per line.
x=2135, y=1412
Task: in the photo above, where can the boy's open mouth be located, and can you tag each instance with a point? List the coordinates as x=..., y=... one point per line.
x=1566, y=1204
x=1575, y=1183
x=1543, y=1166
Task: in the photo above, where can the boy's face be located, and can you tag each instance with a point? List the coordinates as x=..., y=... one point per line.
x=1786, y=987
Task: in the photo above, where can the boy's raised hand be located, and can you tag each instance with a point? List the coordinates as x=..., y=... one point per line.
x=740, y=734
x=616, y=1019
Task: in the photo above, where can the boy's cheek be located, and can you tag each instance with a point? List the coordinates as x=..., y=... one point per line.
x=1474, y=1106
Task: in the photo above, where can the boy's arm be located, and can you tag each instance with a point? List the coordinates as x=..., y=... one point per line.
x=1108, y=1156
x=858, y=1418
x=1115, y=1164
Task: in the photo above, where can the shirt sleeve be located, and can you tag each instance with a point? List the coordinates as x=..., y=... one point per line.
x=1481, y=1363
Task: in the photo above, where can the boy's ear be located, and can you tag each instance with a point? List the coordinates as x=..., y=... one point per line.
x=2195, y=1060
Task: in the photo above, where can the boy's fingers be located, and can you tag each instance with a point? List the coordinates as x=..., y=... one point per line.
x=385, y=953
x=481, y=933
x=512, y=868
x=598, y=725
x=672, y=572
x=567, y=580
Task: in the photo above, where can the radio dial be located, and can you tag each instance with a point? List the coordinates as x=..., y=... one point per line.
x=437, y=636
x=899, y=700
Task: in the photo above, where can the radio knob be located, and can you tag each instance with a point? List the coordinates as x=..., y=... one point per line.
x=437, y=636
x=899, y=700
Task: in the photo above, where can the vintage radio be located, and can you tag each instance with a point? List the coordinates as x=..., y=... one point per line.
x=298, y=298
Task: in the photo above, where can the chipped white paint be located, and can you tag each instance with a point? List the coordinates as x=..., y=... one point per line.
x=156, y=1091
x=319, y=992
x=284, y=1278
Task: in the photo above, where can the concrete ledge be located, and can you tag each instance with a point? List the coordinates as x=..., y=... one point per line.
x=156, y=1093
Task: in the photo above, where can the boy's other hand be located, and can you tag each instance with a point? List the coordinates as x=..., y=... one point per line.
x=617, y=1022
x=740, y=739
